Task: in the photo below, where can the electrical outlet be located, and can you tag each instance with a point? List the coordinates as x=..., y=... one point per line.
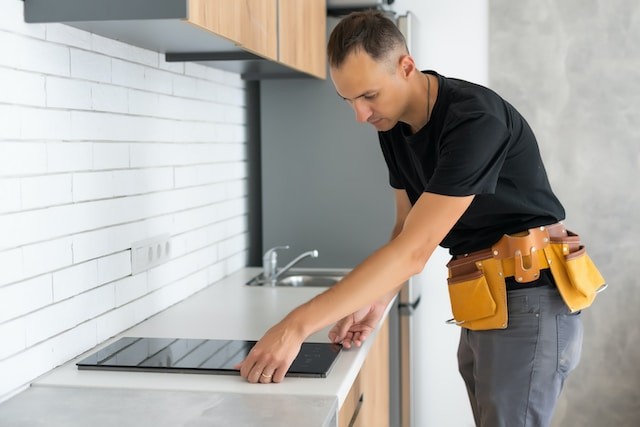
x=148, y=253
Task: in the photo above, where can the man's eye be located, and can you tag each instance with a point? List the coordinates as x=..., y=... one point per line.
x=370, y=97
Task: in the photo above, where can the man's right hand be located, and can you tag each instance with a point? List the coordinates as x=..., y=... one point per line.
x=356, y=327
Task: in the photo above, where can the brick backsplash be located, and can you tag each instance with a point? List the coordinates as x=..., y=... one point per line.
x=103, y=144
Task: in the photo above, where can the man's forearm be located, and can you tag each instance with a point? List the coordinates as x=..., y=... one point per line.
x=386, y=299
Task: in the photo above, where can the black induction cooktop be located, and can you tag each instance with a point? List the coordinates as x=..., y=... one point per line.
x=200, y=356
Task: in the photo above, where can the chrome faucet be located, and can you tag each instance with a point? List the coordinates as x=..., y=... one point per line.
x=270, y=271
x=270, y=262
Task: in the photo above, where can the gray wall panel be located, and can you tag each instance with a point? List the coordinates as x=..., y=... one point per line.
x=324, y=181
x=571, y=67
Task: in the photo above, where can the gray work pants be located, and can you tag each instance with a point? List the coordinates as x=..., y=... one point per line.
x=514, y=375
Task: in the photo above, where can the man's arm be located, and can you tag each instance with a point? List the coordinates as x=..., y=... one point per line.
x=424, y=227
x=356, y=327
x=403, y=207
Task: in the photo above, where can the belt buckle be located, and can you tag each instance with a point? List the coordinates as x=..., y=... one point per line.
x=527, y=267
x=523, y=250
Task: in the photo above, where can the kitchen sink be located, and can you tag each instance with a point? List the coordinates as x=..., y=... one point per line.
x=303, y=277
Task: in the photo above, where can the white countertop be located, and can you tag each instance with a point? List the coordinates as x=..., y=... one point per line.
x=227, y=309
x=59, y=406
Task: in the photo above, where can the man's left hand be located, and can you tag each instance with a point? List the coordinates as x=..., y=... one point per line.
x=356, y=327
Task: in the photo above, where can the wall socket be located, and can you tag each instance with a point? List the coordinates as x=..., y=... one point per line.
x=148, y=253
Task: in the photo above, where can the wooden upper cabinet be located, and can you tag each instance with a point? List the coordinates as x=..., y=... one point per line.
x=291, y=32
x=252, y=24
x=302, y=35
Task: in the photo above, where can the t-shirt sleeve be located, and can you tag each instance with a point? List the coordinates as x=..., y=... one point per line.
x=472, y=151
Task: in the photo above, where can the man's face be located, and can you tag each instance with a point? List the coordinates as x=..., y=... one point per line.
x=373, y=89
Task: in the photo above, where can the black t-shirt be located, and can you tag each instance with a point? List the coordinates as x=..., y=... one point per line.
x=475, y=143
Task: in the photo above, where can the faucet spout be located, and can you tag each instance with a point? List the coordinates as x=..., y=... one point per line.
x=309, y=254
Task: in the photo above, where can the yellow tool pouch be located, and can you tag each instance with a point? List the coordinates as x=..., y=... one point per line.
x=477, y=292
x=576, y=276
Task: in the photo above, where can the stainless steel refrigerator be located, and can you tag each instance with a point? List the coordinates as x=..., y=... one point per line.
x=325, y=186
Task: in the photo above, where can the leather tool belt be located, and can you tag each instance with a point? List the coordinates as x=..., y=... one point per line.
x=476, y=280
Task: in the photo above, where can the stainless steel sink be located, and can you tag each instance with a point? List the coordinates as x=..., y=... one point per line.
x=303, y=277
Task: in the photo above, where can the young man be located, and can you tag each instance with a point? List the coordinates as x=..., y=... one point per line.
x=467, y=175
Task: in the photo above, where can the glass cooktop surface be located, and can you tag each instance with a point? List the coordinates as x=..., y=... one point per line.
x=183, y=355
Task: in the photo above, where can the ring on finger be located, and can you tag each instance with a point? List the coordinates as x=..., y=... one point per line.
x=265, y=375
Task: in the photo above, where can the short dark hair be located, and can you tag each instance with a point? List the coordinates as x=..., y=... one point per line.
x=369, y=30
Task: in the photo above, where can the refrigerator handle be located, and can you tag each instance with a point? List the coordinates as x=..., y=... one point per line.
x=407, y=308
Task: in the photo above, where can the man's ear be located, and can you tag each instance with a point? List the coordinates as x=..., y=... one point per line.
x=407, y=65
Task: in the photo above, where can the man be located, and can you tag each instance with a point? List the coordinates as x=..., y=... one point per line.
x=466, y=171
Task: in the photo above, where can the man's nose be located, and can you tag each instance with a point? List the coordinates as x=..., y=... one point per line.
x=363, y=112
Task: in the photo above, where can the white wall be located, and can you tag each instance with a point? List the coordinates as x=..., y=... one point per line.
x=453, y=39
x=103, y=144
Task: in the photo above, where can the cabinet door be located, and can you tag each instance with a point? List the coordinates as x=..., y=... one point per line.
x=249, y=23
x=350, y=414
x=375, y=381
x=302, y=28
x=367, y=403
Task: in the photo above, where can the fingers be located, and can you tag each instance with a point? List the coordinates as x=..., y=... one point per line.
x=340, y=331
x=359, y=337
x=348, y=333
x=266, y=376
x=253, y=370
x=354, y=338
x=278, y=375
x=347, y=340
x=335, y=336
x=265, y=379
x=270, y=358
x=258, y=373
x=265, y=367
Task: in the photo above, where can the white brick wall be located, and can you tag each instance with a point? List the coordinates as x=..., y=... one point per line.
x=103, y=144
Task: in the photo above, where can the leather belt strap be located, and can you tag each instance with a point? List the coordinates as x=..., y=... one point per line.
x=522, y=254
